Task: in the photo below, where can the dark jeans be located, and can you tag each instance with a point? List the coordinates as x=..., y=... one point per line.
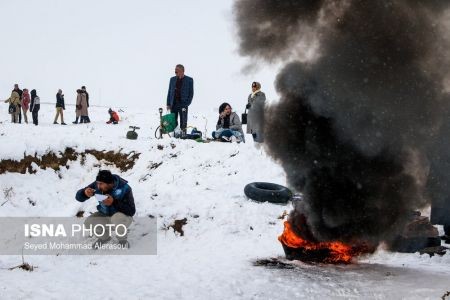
x=225, y=132
x=20, y=114
x=182, y=111
x=35, y=115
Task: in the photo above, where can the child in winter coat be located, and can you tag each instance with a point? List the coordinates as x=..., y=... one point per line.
x=113, y=117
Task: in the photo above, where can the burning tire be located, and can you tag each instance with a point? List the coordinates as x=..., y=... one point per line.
x=266, y=191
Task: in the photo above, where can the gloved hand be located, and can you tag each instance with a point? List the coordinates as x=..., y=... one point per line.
x=248, y=106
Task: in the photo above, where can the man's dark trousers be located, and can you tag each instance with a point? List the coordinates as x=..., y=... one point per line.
x=182, y=111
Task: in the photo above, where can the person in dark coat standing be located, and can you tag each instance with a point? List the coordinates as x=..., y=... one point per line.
x=115, y=205
x=60, y=107
x=179, y=96
x=35, y=106
x=20, y=92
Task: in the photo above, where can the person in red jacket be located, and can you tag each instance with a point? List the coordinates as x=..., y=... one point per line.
x=114, y=117
x=25, y=103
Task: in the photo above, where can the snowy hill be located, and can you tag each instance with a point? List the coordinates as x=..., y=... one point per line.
x=172, y=180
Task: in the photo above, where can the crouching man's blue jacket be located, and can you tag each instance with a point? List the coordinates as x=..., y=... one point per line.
x=121, y=193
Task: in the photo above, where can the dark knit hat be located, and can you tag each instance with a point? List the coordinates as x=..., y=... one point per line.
x=105, y=176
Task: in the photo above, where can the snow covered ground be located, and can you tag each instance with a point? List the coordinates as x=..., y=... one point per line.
x=224, y=235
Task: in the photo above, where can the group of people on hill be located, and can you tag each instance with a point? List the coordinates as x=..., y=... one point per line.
x=229, y=125
x=20, y=102
x=179, y=98
x=81, y=107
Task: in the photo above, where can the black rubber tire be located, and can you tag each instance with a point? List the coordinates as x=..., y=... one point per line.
x=268, y=192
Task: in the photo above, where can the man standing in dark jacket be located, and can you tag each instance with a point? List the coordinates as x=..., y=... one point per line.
x=117, y=207
x=179, y=96
x=60, y=106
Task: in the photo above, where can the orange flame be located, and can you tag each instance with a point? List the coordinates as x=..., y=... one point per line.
x=339, y=252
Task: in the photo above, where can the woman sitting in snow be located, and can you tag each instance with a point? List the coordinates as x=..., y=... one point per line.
x=229, y=127
x=113, y=117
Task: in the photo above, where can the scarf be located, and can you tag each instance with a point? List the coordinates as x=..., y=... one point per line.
x=254, y=94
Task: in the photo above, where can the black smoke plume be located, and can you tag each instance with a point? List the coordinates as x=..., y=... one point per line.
x=357, y=124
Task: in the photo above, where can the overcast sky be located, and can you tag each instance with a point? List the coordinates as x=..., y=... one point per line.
x=125, y=51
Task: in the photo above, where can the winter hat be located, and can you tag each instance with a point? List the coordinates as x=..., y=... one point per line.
x=110, y=110
x=223, y=106
x=256, y=85
x=105, y=176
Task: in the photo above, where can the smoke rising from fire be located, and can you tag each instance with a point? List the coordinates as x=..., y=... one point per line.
x=357, y=126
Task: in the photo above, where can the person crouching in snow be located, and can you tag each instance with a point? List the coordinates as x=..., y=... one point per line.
x=229, y=127
x=113, y=117
x=117, y=208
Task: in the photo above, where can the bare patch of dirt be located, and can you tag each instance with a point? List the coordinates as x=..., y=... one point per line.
x=123, y=161
x=177, y=226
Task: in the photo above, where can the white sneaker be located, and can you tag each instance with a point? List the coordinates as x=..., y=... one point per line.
x=226, y=139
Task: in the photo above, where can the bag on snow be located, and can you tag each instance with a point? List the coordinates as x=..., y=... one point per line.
x=168, y=123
